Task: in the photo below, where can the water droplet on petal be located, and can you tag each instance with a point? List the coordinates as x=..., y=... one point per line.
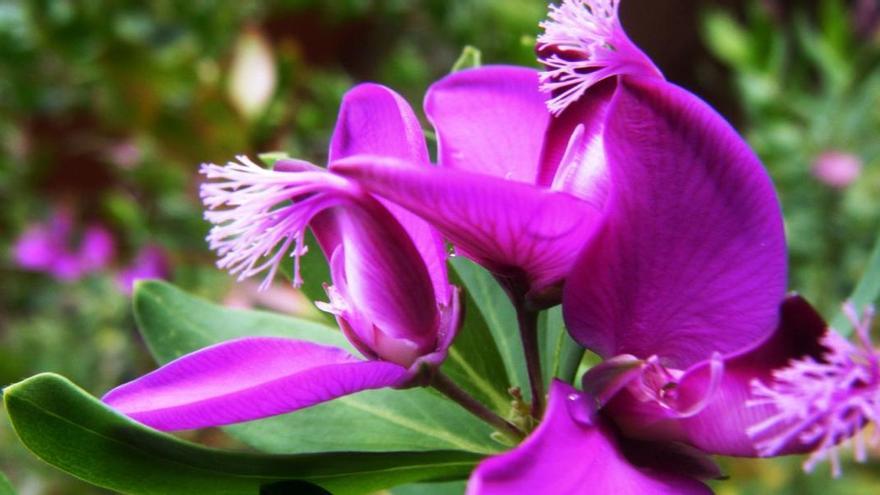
x=580, y=409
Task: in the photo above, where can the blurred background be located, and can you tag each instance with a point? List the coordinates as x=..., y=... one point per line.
x=108, y=107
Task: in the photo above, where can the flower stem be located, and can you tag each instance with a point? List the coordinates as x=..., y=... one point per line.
x=528, y=332
x=448, y=388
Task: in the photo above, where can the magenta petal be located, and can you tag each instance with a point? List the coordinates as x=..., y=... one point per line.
x=569, y=455
x=247, y=379
x=691, y=256
x=375, y=120
x=385, y=279
x=504, y=225
x=588, y=113
x=721, y=427
x=490, y=121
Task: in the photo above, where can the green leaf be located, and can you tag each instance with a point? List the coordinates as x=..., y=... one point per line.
x=473, y=361
x=314, y=270
x=866, y=292
x=76, y=433
x=500, y=318
x=448, y=488
x=560, y=354
x=470, y=58
x=174, y=323
x=727, y=39
x=6, y=486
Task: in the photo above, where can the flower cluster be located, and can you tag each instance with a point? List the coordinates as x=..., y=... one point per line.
x=631, y=202
x=68, y=252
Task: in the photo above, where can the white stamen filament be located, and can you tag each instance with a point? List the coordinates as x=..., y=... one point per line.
x=253, y=227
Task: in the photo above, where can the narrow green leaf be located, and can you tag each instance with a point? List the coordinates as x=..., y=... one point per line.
x=500, y=318
x=470, y=58
x=76, y=433
x=560, y=354
x=867, y=291
x=6, y=486
x=174, y=323
x=474, y=362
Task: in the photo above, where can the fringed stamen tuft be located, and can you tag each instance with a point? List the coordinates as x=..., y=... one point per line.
x=582, y=44
x=259, y=215
x=823, y=404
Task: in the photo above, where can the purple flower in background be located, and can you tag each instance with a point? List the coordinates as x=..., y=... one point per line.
x=150, y=262
x=54, y=247
x=390, y=292
x=837, y=169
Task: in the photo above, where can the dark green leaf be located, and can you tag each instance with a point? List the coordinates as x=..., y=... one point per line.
x=75, y=432
x=315, y=272
x=174, y=323
x=473, y=361
x=866, y=292
x=499, y=315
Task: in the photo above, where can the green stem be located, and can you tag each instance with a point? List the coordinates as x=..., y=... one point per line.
x=448, y=388
x=528, y=332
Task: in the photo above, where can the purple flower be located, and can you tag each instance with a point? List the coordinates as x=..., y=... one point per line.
x=150, y=262
x=679, y=288
x=837, y=169
x=577, y=450
x=52, y=247
x=515, y=192
x=390, y=292
x=641, y=427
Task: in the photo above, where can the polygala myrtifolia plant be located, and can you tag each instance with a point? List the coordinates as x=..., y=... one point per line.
x=596, y=185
